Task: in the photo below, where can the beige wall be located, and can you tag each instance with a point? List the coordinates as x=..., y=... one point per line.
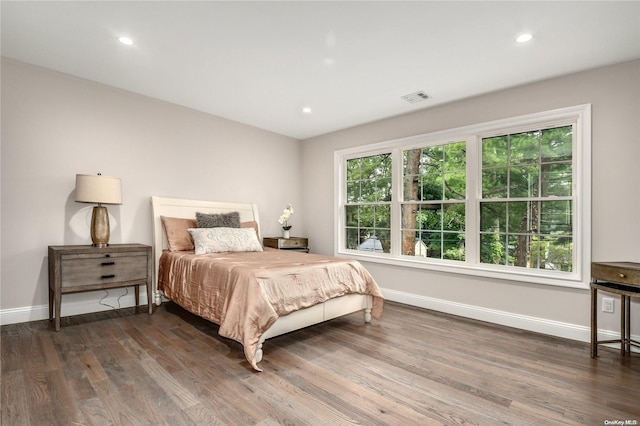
x=55, y=125
x=614, y=93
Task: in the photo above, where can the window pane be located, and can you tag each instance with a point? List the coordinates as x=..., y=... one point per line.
x=524, y=148
x=495, y=152
x=433, y=241
x=556, y=217
x=353, y=169
x=455, y=158
x=365, y=216
x=383, y=216
x=494, y=183
x=523, y=182
x=528, y=251
x=383, y=189
x=493, y=248
x=538, y=234
x=522, y=217
x=429, y=217
x=427, y=230
x=493, y=217
x=432, y=187
x=370, y=242
x=453, y=246
x=455, y=186
x=432, y=159
x=412, y=188
x=557, y=144
x=435, y=173
x=556, y=253
x=556, y=180
x=453, y=217
x=351, y=215
x=353, y=192
x=369, y=179
x=352, y=239
x=384, y=236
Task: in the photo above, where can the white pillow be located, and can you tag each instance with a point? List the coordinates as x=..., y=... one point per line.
x=218, y=240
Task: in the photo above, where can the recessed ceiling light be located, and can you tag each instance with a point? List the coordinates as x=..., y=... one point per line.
x=306, y=110
x=125, y=40
x=523, y=38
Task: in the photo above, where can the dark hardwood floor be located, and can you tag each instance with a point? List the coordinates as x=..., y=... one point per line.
x=412, y=367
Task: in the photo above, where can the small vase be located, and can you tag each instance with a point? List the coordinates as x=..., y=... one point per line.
x=285, y=233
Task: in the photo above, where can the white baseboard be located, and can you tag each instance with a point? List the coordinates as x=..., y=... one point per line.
x=41, y=312
x=539, y=325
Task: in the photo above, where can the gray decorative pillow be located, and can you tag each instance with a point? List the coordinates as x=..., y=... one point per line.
x=222, y=220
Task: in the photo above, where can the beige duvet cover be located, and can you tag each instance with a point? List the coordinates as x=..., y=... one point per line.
x=246, y=292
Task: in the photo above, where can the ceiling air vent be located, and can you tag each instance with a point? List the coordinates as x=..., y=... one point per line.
x=415, y=97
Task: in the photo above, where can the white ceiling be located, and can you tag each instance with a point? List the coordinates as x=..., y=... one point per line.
x=261, y=62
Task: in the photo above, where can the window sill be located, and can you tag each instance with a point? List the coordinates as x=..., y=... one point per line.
x=554, y=278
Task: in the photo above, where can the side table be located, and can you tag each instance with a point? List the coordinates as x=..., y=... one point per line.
x=74, y=269
x=621, y=278
x=292, y=243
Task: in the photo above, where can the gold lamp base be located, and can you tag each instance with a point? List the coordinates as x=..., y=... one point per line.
x=100, y=226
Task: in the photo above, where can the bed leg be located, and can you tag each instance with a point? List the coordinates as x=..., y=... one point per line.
x=367, y=315
x=258, y=356
x=158, y=298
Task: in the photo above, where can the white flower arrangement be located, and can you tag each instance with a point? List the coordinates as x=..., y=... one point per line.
x=284, y=218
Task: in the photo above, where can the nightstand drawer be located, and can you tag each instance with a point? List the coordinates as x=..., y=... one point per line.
x=87, y=269
x=292, y=243
x=617, y=272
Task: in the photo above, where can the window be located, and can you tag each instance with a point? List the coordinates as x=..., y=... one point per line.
x=527, y=203
x=507, y=199
x=368, y=207
x=433, y=207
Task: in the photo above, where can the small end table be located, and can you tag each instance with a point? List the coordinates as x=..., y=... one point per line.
x=621, y=278
x=74, y=269
x=292, y=243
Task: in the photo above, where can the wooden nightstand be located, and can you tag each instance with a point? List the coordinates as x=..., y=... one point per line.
x=73, y=269
x=621, y=278
x=293, y=243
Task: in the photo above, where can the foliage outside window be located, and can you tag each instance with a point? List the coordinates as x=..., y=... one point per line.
x=527, y=205
x=433, y=208
x=368, y=208
x=489, y=199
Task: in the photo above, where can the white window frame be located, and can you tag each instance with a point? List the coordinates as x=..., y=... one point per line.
x=579, y=116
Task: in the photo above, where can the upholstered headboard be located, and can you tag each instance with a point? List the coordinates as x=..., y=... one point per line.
x=183, y=208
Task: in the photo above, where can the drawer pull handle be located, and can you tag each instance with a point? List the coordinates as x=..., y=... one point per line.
x=107, y=255
x=108, y=263
x=104, y=277
x=621, y=275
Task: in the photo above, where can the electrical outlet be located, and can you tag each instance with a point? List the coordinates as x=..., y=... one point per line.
x=607, y=304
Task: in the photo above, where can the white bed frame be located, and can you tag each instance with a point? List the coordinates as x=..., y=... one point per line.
x=183, y=208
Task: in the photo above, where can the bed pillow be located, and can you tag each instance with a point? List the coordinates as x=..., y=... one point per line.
x=251, y=224
x=212, y=220
x=176, y=230
x=219, y=240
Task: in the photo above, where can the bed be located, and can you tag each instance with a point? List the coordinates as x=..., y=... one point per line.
x=253, y=295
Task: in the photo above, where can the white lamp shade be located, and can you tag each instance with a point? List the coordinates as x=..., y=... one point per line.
x=98, y=189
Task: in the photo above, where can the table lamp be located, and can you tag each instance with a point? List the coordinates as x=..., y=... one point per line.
x=98, y=189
